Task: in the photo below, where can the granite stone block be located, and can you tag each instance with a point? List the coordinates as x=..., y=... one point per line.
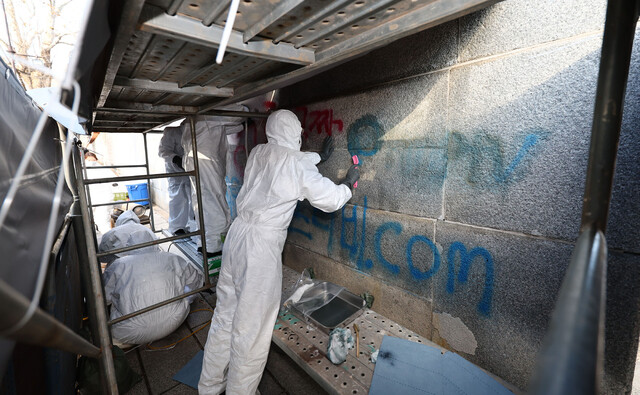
x=518, y=147
x=516, y=24
x=503, y=288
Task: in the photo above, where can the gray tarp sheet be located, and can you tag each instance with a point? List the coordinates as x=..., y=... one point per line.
x=22, y=236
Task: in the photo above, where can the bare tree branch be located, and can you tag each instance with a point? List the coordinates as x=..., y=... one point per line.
x=32, y=28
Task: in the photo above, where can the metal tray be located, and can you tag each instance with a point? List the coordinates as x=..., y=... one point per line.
x=340, y=311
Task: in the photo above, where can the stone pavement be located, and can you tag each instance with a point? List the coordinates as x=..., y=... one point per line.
x=157, y=367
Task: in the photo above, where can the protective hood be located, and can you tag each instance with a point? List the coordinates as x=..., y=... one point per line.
x=284, y=129
x=127, y=217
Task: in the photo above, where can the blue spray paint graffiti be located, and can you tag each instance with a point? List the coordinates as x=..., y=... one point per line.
x=415, y=272
x=466, y=259
x=529, y=142
x=486, y=157
x=364, y=137
x=353, y=241
x=397, y=228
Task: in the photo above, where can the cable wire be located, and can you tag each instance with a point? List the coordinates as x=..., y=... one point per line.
x=172, y=345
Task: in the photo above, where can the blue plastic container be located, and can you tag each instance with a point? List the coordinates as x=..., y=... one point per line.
x=137, y=192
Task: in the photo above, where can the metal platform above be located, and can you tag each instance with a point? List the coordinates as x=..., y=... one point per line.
x=162, y=62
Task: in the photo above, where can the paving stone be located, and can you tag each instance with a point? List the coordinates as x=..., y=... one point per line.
x=161, y=366
x=269, y=385
x=195, y=318
x=141, y=387
x=283, y=376
x=181, y=389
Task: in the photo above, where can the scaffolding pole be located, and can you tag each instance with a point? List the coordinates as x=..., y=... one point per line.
x=91, y=277
x=41, y=329
x=201, y=232
x=146, y=166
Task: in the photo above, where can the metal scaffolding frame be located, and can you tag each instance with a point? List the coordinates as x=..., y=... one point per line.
x=87, y=241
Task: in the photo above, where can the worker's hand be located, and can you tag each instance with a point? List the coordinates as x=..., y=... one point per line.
x=327, y=149
x=177, y=160
x=353, y=175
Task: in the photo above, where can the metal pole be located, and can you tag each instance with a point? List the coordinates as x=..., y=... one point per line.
x=139, y=177
x=118, y=202
x=94, y=291
x=41, y=329
x=196, y=169
x=147, y=244
x=163, y=303
x=571, y=357
x=112, y=167
x=146, y=166
x=87, y=189
x=617, y=44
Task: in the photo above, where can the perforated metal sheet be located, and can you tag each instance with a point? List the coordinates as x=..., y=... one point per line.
x=175, y=42
x=307, y=345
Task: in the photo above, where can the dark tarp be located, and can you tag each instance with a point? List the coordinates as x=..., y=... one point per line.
x=23, y=233
x=22, y=236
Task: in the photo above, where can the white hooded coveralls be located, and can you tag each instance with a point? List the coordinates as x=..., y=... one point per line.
x=248, y=291
x=181, y=215
x=134, y=282
x=127, y=232
x=211, y=137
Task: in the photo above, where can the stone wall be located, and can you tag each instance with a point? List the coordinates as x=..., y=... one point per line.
x=473, y=138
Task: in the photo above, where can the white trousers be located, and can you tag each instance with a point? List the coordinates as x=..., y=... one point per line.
x=248, y=300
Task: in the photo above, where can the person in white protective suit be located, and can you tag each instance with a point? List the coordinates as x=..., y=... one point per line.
x=181, y=215
x=134, y=282
x=248, y=291
x=127, y=232
x=211, y=137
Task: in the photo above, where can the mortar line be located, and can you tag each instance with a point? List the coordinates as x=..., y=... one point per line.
x=446, y=149
x=621, y=251
x=548, y=44
x=511, y=232
x=488, y=58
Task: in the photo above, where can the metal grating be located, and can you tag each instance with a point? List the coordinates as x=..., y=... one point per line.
x=307, y=345
x=164, y=63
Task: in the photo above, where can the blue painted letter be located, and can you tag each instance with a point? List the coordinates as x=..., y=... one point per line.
x=466, y=259
x=397, y=228
x=415, y=272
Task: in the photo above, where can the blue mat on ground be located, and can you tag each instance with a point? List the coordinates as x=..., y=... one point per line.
x=190, y=373
x=406, y=367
